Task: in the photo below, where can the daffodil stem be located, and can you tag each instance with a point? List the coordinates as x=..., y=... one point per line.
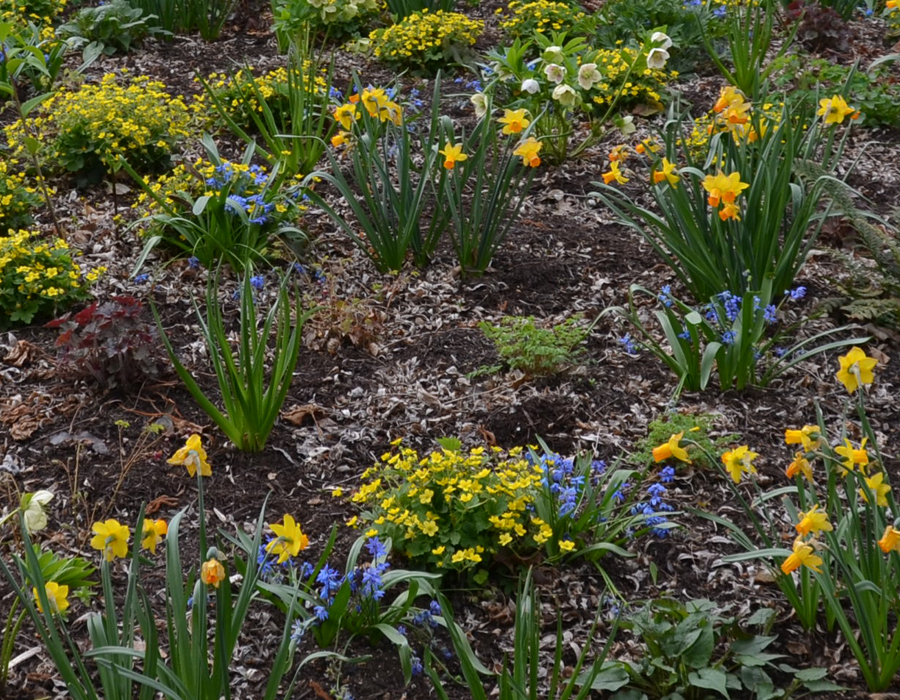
x=10, y=632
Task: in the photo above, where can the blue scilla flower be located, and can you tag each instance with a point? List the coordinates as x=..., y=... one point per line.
x=731, y=304
x=330, y=579
x=194, y=262
x=417, y=667
x=729, y=337
x=376, y=548
x=140, y=279
x=628, y=344
x=435, y=608
x=719, y=12
x=665, y=296
x=770, y=314
x=598, y=466
x=797, y=293
x=372, y=583
x=321, y=613
x=667, y=475
x=265, y=563
x=685, y=335
x=336, y=94
x=258, y=281
x=401, y=629
x=297, y=632
x=619, y=495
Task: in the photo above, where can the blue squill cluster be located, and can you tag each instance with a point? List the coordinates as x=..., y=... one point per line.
x=254, y=206
x=558, y=478
x=653, y=509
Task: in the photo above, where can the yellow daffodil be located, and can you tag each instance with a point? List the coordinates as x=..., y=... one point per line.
x=835, y=110
x=614, y=174
x=813, y=520
x=730, y=96
x=723, y=188
x=57, y=596
x=192, y=455
x=803, y=556
x=111, y=538
x=619, y=153
x=453, y=155
x=878, y=487
x=514, y=121
x=340, y=138
x=890, y=540
x=856, y=369
x=212, y=573
x=667, y=172
x=730, y=211
x=345, y=115
x=154, y=531
x=290, y=542
x=852, y=456
x=808, y=436
x=528, y=150
x=739, y=461
x=670, y=449
x=800, y=465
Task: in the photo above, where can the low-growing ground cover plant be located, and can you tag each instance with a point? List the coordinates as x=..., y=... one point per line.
x=426, y=40
x=18, y=197
x=522, y=19
x=526, y=346
x=107, y=29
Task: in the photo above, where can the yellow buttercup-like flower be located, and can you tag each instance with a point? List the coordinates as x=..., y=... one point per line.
x=192, y=456
x=856, y=369
x=111, y=538
x=290, y=539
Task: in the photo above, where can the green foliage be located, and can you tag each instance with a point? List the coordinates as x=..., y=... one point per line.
x=525, y=346
x=693, y=651
x=875, y=93
x=484, y=193
x=207, y=17
x=107, y=29
x=32, y=57
x=38, y=278
x=521, y=19
x=426, y=41
x=390, y=187
x=220, y=211
x=846, y=566
x=592, y=85
x=685, y=23
x=401, y=9
x=735, y=336
x=775, y=220
x=335, y=18
x=252, y=401
x=526, y=675
x=698, y=426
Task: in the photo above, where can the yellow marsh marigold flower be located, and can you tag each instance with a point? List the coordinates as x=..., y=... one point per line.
x=154, y=531
x=808, y=436
x=670, y=449
x=514, y=121
x=813, y=520
x=800, y=465
x=212, y=572
x=614, y=174
x=111, y=538
x=878, y=487
x=58, y=597
x=856, y=369
x=528, y=150
x=192, y=455
x=739, y=461
x=452, y=155
x=851, y=456
x=667, y=172
x=803, y=556
x=835, y=110
x=290, y=542
x=566, y=545
x=890, y=540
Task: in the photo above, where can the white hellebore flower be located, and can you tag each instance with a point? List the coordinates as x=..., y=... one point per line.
x=657, y=58
x=530, y=85
x=661, y=38
x=565, y=95
x=33, y=510
x=625, y=125
x=554, y=54
x=479, y=100
x=588, y=75
x=555, y=73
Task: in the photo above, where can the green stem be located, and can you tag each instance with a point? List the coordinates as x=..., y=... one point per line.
x=10, y=632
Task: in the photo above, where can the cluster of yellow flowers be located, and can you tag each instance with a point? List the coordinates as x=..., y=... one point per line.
x=37, y=276
x=139, y=121
x=539, y=17
x=40, y=13
x=422, y=38
x=17, y=197
x=514, y=122
x=239, y=92
x=642, y=87
x=452, y=509
x=379, y=104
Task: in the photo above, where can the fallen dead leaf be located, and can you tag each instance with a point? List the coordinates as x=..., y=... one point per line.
x=299, y=414
x=22, y=353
